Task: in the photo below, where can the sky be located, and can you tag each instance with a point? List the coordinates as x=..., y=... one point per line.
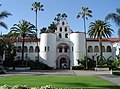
x=21, y=10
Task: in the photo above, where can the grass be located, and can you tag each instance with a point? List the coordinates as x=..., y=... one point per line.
x=60, y=81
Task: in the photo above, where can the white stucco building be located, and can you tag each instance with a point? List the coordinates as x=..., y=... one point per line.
x=64, y=47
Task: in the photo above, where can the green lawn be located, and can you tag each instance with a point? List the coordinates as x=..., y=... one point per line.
x=59, y=81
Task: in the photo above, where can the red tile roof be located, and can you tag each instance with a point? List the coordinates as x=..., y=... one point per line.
x=104, y=39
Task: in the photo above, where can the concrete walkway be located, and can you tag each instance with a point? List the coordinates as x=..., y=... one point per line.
x=102, y=74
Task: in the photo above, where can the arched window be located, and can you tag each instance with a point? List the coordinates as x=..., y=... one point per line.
x=25, y=49
x=108, y=49
x=96, y=49
x=65, y=49
x=60, y=36
x=31, y=49
x=66, y=35
x=63, y=23
x=72, y=49
x=45, y=49
x=37, y=49
x=19, y=49
x=65, y=29
x=60, y=29
x=90, y=49
x=60, y=50
x=103, y=49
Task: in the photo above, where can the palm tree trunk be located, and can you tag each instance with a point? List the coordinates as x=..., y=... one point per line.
x=23, y=51
x=101, y=54
x=37, y=38
x=85, y=43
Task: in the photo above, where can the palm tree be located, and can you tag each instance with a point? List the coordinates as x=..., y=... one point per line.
x=119, y=32
x=36, y=6
x=3, y=14
x=60, y=16
x=114, y=16
x=85, y=13
x=22, y=30
x=100, y=29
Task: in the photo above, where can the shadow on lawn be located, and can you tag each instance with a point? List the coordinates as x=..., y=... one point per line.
x=85, y=86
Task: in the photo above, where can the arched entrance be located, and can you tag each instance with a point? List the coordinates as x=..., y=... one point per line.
x=63, y=61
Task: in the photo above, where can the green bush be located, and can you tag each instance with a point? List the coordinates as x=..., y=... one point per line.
x=116, y=73
x=78, y=67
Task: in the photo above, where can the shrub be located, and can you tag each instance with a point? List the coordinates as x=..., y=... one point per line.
x=116, y=73
x=78, y=67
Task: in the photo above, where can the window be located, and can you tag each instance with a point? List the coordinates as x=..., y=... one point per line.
x=37, y=49
x=60, y=36
x=19, y=49
x=31, y=49
x=63, y=23
x=65, y=49
x=45, y=49
x=66, y=35
x=60, y=29
x=90, y=49
x=65, y=29
x=96, y=49
x=72, y=49
x=103, y=49
x=108, y=49
x=25, y=49
x=60, y=50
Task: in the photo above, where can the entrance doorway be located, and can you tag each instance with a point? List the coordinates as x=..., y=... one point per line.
x=63, y=62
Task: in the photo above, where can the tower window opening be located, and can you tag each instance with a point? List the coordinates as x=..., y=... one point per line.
x=60, y=36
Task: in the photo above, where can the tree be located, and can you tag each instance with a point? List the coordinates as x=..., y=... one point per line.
x=119, y=32
x=60, y=16
x=114, y=16
x=36, y=6
x=85, y=13
x=3, y=14
x=100, y=29
x=22, y=30
x=52, y=27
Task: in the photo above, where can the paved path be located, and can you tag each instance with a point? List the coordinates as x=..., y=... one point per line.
x=102, y=74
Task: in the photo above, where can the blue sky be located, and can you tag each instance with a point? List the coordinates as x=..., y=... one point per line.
x=21, y=9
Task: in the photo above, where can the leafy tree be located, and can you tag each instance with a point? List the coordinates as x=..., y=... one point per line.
x=3, y=14
x=119, y=33
x=114, y=16
x=36, y=6
x=43, y=30
x=10, y=53
x=52, y=27
x=21, y=30
x=100, y=29
x=85, y=13
x=60, y=16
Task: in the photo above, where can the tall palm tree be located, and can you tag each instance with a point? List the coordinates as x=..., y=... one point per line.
x=3, y=14
x=60, y=16
x=36, y=6
x=100, y=29
x=85, y=13
x=21, y=31
x=114, y=16
x=119, y=32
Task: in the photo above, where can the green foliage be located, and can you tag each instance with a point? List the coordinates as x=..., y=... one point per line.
x=32, y=64
x=116, y=73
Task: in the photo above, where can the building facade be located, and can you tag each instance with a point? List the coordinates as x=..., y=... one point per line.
x=63, y=48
